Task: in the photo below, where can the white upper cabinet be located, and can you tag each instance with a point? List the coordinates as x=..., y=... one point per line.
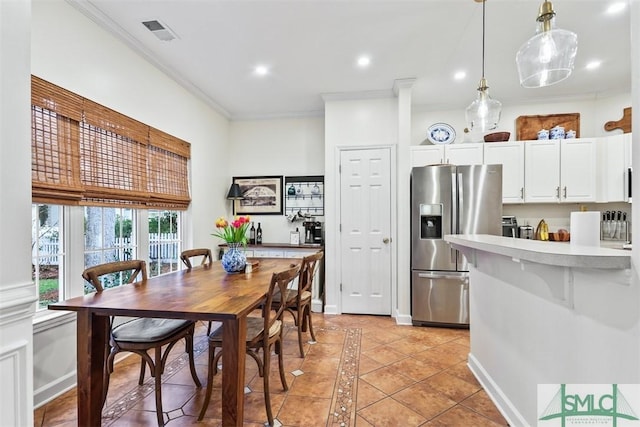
x=511, y=156
x=455, y=154
x=578, y=170
x=560, y=170
x=614, y=160
x=542, y=171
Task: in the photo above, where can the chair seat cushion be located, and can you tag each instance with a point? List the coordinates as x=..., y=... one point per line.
x=142, y=329
x=255, y=326
x=291, y=296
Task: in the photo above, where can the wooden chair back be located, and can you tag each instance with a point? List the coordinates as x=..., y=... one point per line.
x=279, y=283
x=307, y=272
x=205, y=253
x=136, y=267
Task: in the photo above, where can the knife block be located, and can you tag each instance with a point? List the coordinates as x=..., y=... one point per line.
x=614, y=230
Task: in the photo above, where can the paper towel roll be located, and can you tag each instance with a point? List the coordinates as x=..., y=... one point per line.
x=585, y=228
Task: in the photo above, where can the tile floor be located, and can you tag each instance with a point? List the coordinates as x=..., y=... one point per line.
x=363, y=371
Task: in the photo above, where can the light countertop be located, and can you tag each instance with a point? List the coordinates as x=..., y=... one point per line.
x=562, y=254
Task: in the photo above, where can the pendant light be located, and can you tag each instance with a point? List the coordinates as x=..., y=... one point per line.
x=484, y=113
x=547, y=57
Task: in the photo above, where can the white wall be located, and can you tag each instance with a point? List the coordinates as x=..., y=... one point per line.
x=287, y=147
x=103, y=69
x=372, y=122
x=17, y=291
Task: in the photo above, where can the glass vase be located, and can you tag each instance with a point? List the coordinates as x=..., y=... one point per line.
x=234, y=259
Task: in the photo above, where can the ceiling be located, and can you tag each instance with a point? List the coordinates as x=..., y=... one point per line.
x=311, y=46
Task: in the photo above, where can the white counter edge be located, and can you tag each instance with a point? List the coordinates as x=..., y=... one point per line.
x=562, y=254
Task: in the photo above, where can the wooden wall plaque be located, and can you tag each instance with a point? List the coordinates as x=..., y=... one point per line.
x=527, y=127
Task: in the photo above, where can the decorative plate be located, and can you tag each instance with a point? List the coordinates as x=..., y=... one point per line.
x=441, y=133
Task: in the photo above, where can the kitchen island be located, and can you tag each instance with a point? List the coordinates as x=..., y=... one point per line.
x=548, y=313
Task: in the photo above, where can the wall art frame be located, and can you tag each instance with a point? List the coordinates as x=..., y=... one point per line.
x=262, y=195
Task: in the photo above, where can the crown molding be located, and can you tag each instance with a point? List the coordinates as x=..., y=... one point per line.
x=93, y=13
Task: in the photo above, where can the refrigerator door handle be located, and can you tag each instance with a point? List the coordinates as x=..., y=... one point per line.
x=441, y=276
x=454, y=203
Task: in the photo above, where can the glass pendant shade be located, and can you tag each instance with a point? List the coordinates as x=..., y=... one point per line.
x=547, y=58
x=483, y=114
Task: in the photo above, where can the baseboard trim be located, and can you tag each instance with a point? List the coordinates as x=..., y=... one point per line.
x=50, y=391
x=403, y=319
x=502, y=402
x=331, y=309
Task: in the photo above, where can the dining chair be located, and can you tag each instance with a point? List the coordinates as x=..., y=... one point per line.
x=207, y=258
x=205, y=253
x=298, y=301
x=139, y=335
x=263, y=333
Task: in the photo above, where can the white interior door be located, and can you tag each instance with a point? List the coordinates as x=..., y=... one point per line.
x=365, y=224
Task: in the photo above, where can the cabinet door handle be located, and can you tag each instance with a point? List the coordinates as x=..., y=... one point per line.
x=522, y=193
x=565, y=191
x=558, y=193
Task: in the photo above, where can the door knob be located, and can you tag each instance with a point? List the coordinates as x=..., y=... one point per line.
x=386, y=240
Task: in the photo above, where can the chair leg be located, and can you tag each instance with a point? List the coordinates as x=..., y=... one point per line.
x=279, y=351
x=157, y=373
x=300, y=323
x=143, y=366
x=308, y=316
x=192, y=364
x=267, y=394
x=211, y=370
x=209, y=328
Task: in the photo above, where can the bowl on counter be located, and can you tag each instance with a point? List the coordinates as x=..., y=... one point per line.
x=497, y=137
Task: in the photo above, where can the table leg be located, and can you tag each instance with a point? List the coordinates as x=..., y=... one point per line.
x=234, y=336
x=91, y=346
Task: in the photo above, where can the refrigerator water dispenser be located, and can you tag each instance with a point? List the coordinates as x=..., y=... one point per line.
x=431, y=221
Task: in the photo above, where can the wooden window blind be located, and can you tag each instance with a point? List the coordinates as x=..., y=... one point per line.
x=112, y=159
x=55, y=155
x=167, y=170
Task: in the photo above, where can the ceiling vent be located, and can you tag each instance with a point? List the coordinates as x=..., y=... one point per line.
x=160, y=30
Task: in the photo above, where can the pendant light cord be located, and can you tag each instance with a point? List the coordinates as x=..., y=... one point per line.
x=483, y=14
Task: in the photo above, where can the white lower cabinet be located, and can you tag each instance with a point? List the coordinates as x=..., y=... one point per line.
x=318, y=277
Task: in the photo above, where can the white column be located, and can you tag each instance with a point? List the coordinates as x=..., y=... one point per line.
x=17, y=292
x=403, y=89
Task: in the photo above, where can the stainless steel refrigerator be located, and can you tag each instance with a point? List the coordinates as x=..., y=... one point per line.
x=448, y=199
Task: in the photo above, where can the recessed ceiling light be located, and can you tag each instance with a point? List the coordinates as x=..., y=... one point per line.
x=261, y=70
x=459, y=75
x=593, y=65
x=616, y=7
x=364, y=61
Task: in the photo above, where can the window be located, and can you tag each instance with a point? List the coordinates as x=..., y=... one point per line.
x=105, y=174
x=109, y=235
x=47, y=252
x=164, y=242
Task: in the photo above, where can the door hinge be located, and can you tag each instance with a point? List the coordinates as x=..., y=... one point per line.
x=340, y=228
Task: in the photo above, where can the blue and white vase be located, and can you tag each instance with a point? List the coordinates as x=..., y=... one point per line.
x=234, y=259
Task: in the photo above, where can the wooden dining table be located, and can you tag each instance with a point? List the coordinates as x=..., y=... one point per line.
x=202, y=293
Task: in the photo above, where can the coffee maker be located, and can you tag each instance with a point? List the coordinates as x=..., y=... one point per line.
x=312, y=232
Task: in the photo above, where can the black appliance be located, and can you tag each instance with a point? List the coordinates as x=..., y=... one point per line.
x=509, y=226
x=312, y=232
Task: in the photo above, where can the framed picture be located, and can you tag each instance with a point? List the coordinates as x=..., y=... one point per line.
x=262, y=195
